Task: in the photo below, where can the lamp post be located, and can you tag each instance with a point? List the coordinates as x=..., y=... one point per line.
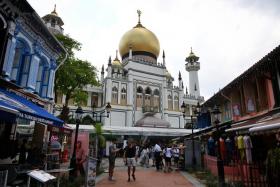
x=94, y=113
x=196, y=112
x=79, y=114
x=216, y=112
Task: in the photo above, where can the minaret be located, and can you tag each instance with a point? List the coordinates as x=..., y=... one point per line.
x=109, y=69
x=180, y=81
x=53, y=22
x=102, y=74
x=163, y=58
x=192, y=66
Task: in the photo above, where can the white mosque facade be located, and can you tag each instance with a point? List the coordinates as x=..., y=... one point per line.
x=140, y=90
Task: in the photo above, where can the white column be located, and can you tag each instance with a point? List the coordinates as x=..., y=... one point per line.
x=108, y=91
x=89, y=99
x=119, y=93
x=129, y=96
x=193, y=82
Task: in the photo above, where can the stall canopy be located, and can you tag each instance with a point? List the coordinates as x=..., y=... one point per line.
x=139, y=131
x=25, y=109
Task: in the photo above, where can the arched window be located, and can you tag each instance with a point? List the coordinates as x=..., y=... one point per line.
x=21, y=64
x=115, y=95
x=156, y=99
x=139, y=97
x=42, y=80
x=170, y=102
x=176, y=103
x=148, y=92
x=123, y=96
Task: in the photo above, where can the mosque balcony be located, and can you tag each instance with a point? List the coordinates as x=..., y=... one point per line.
x=189, y=96
x=150, y=109
x=192, y=66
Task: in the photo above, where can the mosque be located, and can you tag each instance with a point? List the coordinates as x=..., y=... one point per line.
x=139, y=88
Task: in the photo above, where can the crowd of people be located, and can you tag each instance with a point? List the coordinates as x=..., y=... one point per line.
x=163, y=157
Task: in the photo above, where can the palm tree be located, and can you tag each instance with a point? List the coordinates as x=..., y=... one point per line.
x=100, y=143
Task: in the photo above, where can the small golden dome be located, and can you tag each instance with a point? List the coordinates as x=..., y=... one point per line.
x=116, y=63
x=139, y=39
x=168, y=75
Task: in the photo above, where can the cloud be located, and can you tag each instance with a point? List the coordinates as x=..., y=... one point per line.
x=229, y=36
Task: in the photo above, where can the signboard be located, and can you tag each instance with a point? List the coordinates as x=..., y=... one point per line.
x=41, y=176
x=91, y=172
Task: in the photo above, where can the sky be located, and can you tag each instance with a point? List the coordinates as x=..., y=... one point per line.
x=229, y=36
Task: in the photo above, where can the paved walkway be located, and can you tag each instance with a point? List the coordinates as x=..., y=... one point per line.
x=147, y=177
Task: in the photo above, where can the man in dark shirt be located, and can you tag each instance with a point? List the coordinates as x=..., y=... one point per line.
x=112, y=157
x=130, y=158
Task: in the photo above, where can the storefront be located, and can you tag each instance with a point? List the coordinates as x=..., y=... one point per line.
x=14, y=152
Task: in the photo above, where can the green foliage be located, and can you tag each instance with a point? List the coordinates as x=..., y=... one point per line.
x=72, y=76
x=87, y=120
x=69, y=44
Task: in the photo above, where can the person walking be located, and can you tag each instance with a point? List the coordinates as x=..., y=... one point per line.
x=167, y=157
x=112, y=157
x=157, y=151
x=175, y=154
x=130, y=158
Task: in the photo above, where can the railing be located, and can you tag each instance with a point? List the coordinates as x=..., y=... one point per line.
x=150, y=109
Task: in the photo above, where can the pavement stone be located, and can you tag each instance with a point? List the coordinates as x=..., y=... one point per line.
x=146, y=177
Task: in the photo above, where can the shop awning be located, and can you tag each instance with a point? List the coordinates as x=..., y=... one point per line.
x=140, y=131
x=268, y=126
x=23, y=108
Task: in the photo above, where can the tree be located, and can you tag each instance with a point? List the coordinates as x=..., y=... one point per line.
x=73, y=76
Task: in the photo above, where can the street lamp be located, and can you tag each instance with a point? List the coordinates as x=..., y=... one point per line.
x=197, y=113
x=216, y=112
x=95, y=114
x=78, y=116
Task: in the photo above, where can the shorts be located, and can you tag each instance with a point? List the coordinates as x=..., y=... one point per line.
x=131, y=162
x=176, y=159
x=111, y=162
x=167, y=159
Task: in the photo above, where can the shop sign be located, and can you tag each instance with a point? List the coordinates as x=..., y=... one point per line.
x=33, y=118
x=91, y=172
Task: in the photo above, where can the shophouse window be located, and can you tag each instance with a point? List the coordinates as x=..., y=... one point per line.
x=21, y=64
x=42, y=78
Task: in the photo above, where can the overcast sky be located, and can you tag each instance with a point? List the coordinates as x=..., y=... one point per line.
x=229, y=36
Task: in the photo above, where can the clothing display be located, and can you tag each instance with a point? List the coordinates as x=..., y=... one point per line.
x=240, y=145
x=229, y=148
x=211, y=146
x=222, y=148
x=248, y=148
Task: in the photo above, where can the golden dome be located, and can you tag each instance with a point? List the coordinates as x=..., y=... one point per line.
x=168, y=75
x=116, y=62
x=139, y=39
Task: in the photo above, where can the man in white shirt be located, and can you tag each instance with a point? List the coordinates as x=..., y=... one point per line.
x=157, y=150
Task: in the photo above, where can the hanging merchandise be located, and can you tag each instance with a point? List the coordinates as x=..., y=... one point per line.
x=211, y=146
x=222, y=148
x=229, y=148
x=248, y=148
x=240, y=145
